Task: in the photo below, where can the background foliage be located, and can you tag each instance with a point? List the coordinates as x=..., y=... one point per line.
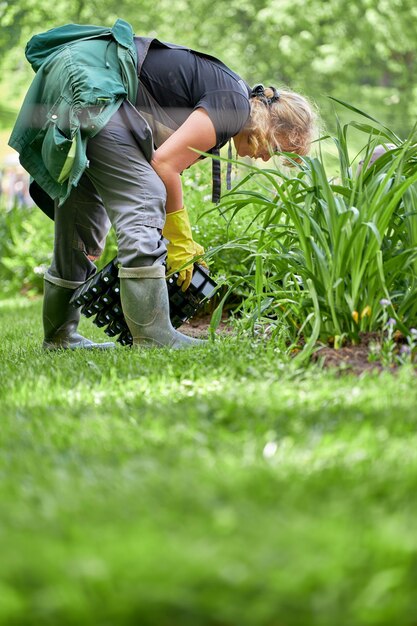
x=321, y=48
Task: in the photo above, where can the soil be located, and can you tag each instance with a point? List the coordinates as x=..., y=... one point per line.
x=199, y=326
x=353, y=359
x=360, y=358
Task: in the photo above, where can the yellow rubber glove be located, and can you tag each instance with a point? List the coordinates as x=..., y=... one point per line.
x=182, y=248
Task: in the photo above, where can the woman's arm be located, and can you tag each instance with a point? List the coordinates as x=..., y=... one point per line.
x=174, y=155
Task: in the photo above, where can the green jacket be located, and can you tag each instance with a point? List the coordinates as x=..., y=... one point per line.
x=84, y=73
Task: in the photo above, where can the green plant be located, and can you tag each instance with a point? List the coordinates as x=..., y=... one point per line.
x=386, y=348
x=323, y=251
x=26, y=243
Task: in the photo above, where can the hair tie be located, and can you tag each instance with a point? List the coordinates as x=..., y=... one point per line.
x=275, y=95
x=258, y=91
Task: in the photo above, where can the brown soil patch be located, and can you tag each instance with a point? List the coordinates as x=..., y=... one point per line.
x=199, y=326
x=350, y=358
x=359, y=358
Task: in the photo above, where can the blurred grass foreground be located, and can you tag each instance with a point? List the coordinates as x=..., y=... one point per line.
x=221, y=487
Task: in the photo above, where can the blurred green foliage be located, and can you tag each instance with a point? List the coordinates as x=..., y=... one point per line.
x=317, y=47
x=26, y=243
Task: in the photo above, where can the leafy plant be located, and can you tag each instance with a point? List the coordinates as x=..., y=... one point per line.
x=26, y=243
x=322, y=252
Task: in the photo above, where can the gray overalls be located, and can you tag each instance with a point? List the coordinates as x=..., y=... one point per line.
x=119, y=188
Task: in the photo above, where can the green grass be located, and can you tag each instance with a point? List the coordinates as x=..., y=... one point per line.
x=216, y=487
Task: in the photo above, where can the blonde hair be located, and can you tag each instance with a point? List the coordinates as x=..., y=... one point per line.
x=287, y=124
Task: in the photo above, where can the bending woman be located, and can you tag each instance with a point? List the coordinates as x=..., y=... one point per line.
x=120, y=141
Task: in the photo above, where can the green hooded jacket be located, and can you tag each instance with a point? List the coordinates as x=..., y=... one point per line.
x=83, y=74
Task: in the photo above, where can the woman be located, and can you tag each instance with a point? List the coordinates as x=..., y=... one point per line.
x=116, y=158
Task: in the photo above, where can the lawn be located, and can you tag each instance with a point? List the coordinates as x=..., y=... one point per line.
x=218, y=487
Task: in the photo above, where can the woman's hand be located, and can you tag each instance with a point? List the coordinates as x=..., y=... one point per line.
x=182, y=249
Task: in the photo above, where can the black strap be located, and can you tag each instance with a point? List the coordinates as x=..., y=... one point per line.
x=229, y=166
x=216, y=173
x=216, y=176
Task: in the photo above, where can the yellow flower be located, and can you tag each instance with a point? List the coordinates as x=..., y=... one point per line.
x=366, y=312
x=355, y=316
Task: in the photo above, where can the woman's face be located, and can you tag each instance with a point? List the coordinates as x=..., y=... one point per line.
x=245, y=149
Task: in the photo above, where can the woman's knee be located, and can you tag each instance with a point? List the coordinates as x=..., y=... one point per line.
x=141, y=245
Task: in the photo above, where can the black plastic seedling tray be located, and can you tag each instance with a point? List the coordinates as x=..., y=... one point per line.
x=99, y=297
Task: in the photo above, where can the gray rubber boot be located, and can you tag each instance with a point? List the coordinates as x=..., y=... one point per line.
x=61, y=319
x=145, y=304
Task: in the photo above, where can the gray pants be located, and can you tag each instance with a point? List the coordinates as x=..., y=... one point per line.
x=119, y=188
